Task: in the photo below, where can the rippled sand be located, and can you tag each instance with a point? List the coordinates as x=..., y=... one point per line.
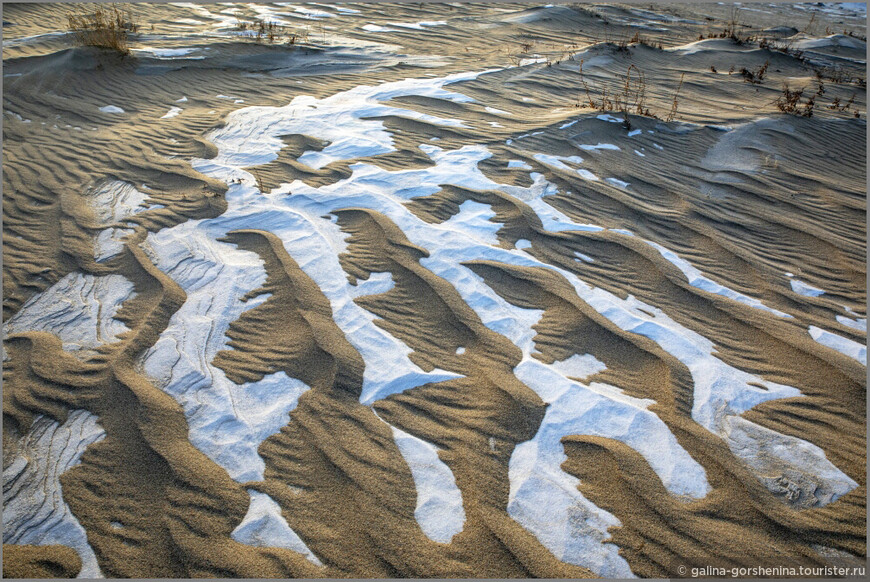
x=395, y=301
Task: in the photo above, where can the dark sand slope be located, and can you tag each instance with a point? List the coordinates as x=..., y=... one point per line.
x=40, y=562
x=395, y=301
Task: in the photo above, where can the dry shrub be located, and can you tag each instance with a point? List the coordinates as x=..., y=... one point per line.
x=103, y=28
x=632, y=98
x=790, y=102
x=630, y=101
x=675, y=104
x=271, y=31
x=755, y=77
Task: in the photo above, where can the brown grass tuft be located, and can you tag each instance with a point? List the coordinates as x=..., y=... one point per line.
x=104, y=28
x=271, y=32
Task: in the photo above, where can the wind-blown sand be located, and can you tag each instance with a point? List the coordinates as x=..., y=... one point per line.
x=396, y=301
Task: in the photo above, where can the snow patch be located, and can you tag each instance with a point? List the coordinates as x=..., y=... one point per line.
x=265, y=527
x=474, y=219
x=618, y=183
x=113, y=201
x=578, y=366
x=172, y=113
x=376, y=28
x=34, y=511
x=790, y=467
x=79, y=309
x=842, y=344
x=600, y=146
x=860, y=324
x=805, y=289
x=439, y=501
x=697, y=279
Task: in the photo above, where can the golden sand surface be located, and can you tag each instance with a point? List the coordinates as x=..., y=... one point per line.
x=434, y=290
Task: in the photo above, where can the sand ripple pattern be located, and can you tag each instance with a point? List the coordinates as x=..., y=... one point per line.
x=419, y=316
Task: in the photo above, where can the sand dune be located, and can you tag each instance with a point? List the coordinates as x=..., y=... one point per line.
x=435, y=290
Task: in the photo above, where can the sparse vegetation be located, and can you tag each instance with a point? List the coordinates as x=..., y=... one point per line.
x=637, y=39
x=785, y=49
x=630, y=100
x=757, y=76
x=731, y=30
x=261, y=186
x=790, y=102
x=810, y=28
x=590, y=12
x=837, y=105
x=673, y=112
x=106, y=27
x=837, y=75
x=798, y=102
x=270, y=32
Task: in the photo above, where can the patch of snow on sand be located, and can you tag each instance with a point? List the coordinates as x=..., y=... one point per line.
x=559, y=162
x=113, y=201
x=697, y=279
x=227, y=421
x=376, y=284
x=805, y=289
x=79, y=309
x=600, y=146
x=860, y=324
x=110, y=242
x=376, y=28
x=168, y=53
x=618, y=183
x=265, y=527
x=842, y=344
x=473, y=219
x=172, y=112
x=782, y=462
x=707, y=44
x=419, y=25
x=34, y=511
x=578, y=366
x=610, y=118
x=338, y=119
x=532, y=61
x=439, y=501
